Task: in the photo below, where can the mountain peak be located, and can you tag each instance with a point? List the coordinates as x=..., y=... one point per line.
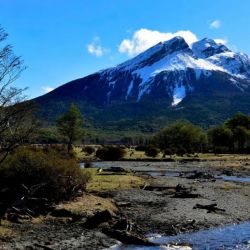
x=175, y=44
x=208, y=47
x=157, y=52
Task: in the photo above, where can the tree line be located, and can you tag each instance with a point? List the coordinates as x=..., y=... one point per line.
x=233, y=136
x=180, y=137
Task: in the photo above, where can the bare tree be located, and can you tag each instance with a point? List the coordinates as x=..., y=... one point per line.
x=16, y=122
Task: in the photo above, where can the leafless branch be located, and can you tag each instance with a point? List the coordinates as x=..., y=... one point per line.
x=16, y=121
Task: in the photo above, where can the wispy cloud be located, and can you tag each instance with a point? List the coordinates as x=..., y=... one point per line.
x=95, y=48
x=143, y=39
x=47, y=89
x=216, y=24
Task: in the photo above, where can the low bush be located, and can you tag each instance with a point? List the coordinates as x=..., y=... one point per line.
x=151, y=151
x=88, y=164
x=110, y=153
x=169, y=151
x=58, y=173
x=181, y=151
x=220, y=150
x=88, y=150
x=141, y=148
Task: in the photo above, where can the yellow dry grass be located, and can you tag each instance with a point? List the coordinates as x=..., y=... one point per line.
x=5, y=231
x=88, y=204
x=229, y=186
x=112, y=181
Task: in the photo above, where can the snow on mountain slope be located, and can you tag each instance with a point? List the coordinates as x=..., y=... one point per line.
x=237, y=64
x=208, y=47
x=156, y=52
x=179, y=93
x=176, y=62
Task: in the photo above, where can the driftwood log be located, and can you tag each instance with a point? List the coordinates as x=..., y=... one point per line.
x=210, y=208
x=24, y=205
x=184, y=192
x=127, y=238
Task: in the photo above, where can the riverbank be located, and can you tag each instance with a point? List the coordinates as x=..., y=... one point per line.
x=166, y=198
x=160, y=210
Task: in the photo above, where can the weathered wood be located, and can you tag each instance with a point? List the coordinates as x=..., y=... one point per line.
x=210, y=208
x=25, y=203
x=127, y=238
x=123, y=204
x=184, y=192
x=156, y=188
x=201, y=175
x=43, y=246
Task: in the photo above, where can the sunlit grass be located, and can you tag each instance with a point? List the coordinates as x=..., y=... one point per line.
x=112, y=181
x=5, y=231
x=88, y=204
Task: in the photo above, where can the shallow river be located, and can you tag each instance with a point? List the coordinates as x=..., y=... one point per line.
x=226, y=237
x=156, y=172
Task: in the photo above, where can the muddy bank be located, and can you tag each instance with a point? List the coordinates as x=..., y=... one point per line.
x=54, y=234
x=159, y=210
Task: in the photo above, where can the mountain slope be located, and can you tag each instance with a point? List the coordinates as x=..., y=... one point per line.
x=204, y=83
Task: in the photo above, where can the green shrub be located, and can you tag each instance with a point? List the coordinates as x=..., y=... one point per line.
x=48, y=135
x=220, y=150
x=110, y=153
x=170, y=151
x=181, y=137
x=141, y=148
x=151, y=151
x=59, y=173
x=88, y=150
x=221, y=139
x=181, y=151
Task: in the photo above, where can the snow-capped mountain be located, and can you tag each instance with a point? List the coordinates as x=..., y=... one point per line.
x=170, y=72
x=176, y=66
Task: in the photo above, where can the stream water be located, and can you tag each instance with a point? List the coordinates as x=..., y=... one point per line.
x=234, y=178
x=177, y=174
x=156, y=173
x=236, y=236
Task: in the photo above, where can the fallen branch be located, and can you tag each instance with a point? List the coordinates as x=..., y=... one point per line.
x=210, y=208
x=127, y=238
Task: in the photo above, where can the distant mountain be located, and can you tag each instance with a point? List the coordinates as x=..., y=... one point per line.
x=204, y=83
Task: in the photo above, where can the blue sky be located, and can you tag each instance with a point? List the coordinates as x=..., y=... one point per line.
x=61, y=40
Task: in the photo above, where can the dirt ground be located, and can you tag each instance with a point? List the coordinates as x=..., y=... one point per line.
x=155, y=208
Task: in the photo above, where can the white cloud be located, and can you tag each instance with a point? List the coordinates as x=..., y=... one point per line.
x=47, y=89
x=215, y=24
x=222, y=41
x=144, y=38
x=95, y=48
